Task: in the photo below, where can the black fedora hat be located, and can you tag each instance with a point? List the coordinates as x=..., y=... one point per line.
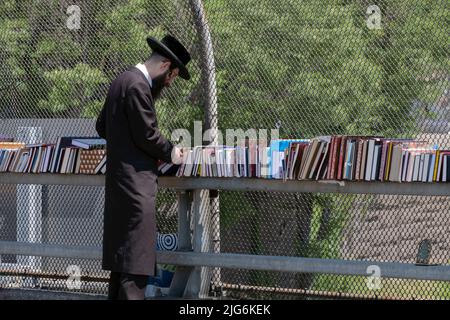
x=172, y=49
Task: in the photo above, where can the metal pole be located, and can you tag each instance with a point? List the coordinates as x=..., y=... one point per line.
x=198, y=284
x=208, y=73
x=247, y=261
x=29, y=208
x=182, y=273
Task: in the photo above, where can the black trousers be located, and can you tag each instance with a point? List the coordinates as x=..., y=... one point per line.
x=125, y=286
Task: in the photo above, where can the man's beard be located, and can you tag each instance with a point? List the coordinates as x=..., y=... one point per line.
x=158, y=85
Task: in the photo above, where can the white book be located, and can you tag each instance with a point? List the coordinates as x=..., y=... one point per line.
x=444, y=169
x=410, y=170
x=275, y=164
x=204, y=164
x=416, y=167
x=369, y=159
x=227, y=153
x=224, y=162
x=189, y=164
x=45, y=152
x=78, y=162
x=426, y=169
x=422, y=160
x=49, y=159
x=264, y=161
x=218, y=162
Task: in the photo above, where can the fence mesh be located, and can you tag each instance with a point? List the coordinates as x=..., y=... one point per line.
x=305, y=67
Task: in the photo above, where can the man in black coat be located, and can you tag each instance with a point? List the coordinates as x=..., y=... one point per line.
x=134, y=144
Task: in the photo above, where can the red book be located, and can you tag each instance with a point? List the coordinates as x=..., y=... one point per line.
x=337, y=144
x=341, y=157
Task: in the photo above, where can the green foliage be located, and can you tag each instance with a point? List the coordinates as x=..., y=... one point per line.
x=319, y=69
x=72, y=88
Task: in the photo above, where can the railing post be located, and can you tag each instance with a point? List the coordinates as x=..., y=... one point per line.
x=29, y=209
x=182, y=273
x=210, y=103
x=200, y=279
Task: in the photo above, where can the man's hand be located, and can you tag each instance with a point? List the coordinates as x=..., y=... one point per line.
x=177, y=155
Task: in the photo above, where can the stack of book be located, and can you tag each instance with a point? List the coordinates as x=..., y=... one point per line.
x=69, y=155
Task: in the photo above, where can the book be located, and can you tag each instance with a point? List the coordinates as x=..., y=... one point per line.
x=89, y=160
x=89, y=143
x=323, y=143
x=63, y=142
x=431, y=167
x=362, y=173
x=323, y=168
x=11, y=145
x=335, y=157
x=314, y=148
x=359, y=150
x=341, y=156
x=376, y=162
x=101, y=164
x=4, y=138
x=277, y=150
x=395, y=161
x=426, y=167
x=348, y=160
x=369, y=159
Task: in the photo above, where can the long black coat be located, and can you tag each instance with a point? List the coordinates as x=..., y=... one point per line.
x=134, y=143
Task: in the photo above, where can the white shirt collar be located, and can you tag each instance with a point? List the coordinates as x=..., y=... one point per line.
x=144, y=70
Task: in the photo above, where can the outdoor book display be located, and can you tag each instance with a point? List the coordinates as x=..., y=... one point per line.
x=76, y=155
x=352, y=158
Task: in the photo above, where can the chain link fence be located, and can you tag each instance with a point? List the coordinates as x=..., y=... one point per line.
x=307, y=68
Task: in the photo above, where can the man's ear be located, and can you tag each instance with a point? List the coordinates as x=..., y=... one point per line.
x=165, y=65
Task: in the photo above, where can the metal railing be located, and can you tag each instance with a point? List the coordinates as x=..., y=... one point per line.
x=193, y=231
